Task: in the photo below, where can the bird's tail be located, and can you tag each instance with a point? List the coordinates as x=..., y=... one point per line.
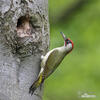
x=35, y=85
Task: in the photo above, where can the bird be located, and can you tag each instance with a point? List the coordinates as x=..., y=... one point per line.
x=51, y=61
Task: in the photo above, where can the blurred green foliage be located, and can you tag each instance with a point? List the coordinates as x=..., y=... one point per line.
x=79, y=72
x=56, y=8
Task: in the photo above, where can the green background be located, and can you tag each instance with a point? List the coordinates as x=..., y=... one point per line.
x=79, y=72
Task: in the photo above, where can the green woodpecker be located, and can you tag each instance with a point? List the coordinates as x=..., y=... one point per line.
x=50, y=62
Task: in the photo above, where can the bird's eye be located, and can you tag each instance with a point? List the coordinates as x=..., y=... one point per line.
x=68, y=41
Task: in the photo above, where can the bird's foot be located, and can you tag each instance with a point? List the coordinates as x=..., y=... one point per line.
x=42, y=57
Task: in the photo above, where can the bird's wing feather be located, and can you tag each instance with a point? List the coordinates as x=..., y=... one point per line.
x=51, y=62
x=52, y=57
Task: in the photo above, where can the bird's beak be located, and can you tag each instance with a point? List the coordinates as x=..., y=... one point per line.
x=63, y=35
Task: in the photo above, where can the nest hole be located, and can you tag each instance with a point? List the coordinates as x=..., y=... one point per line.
x=24, y=26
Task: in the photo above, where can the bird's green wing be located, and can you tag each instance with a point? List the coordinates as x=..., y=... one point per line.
x=51, y=63
x=52, y=58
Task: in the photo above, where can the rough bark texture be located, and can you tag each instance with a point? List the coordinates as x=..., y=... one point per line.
x=19, y=54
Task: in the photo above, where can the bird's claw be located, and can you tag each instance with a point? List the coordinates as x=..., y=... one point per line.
x=42, y=57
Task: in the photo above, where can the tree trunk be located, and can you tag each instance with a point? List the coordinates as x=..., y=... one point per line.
x=24, y=37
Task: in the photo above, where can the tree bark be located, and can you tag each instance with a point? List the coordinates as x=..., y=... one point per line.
x=24, y=37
